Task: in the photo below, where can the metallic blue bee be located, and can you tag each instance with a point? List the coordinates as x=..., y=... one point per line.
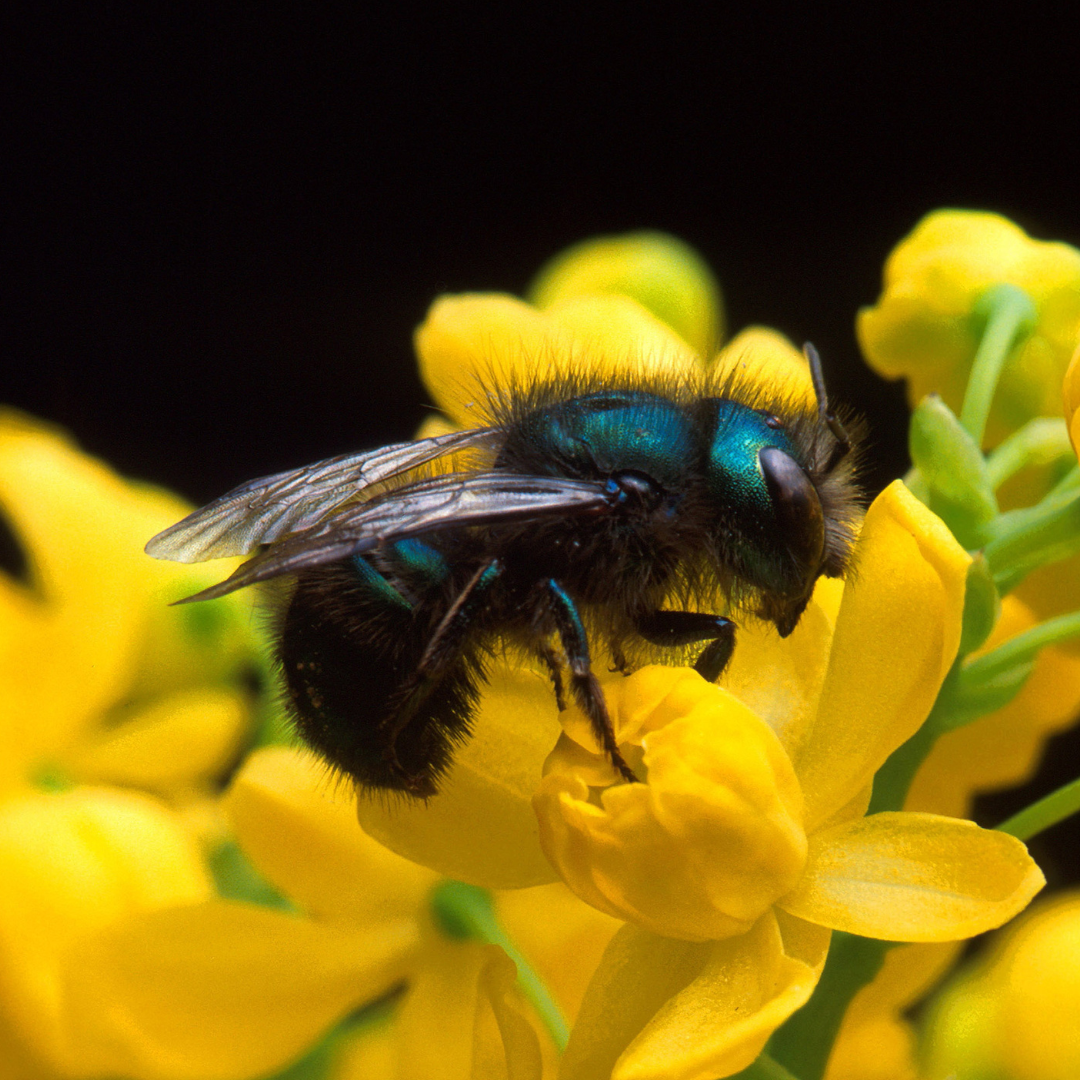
x=583, y=512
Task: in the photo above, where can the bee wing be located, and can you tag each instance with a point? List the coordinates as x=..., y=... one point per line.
x=450, y=501
x=263, y=510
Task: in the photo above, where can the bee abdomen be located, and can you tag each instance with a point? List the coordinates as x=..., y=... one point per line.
x=349, y=650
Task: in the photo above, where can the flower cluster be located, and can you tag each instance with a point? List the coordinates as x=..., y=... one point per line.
x=178, y=905
x=120, y=718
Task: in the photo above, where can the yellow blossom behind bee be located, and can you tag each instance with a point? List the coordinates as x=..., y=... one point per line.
x=925, y=328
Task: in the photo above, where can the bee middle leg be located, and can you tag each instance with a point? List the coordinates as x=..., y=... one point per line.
x=583, y=682
x=674, y=628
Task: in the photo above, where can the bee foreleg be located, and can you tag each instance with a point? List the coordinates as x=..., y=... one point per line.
x=584, y=683
x=674, y=628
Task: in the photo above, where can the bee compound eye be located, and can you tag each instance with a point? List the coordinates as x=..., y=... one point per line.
x=795, y=503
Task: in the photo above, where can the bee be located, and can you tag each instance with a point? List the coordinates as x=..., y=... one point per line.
x=583, y=513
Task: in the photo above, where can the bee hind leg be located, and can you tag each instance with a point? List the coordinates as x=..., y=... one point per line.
x=674, y=628
x=618, y=659
x=551, y=659
x=586, y=687
x=440, y=654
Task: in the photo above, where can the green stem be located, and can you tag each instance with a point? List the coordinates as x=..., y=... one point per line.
x=1022, y=649
x=892, y=780
x=765, y=1068
x=466, y=912
x=1048, y=811
x=1024, y=540
x=1041, y=441
x=1010, y=314
x=804, y=1042
x=1068, y=483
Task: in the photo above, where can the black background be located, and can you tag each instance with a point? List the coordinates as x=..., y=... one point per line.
x=221, y=223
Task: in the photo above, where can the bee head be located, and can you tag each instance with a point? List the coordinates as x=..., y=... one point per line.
x=784, y=503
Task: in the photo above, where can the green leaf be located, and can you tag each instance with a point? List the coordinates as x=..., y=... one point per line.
x=982, y=606
x=953, y=469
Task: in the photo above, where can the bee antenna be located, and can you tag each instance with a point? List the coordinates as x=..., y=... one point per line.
x=818, y=378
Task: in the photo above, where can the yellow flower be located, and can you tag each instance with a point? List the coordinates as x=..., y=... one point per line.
x=662, y=273
x=100, y=680
x=1014, y=1015
x=243, y=990
x=772, y=769
x=474, y=345
x=102, y=687
x=924, y=326
x=853, y=684
x=73, y=866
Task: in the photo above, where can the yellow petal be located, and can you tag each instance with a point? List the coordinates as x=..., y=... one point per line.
x=665, y=275
x=874, y=1041
x=474, y=346
x=95, y=629
x=780, y=679
x=221, y=990
x=769, y=359
x=297, y=824
x=661, y=1009
x=463, y=1018
x=896, y=636
x=66, y=647
x=480, y=828
x=914, y=877
x=876, y=1048
x=371, y=1052
x=189, y=735
x=710, y=839
x=74, y=863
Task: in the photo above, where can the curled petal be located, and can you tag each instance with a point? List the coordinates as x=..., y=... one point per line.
x=297, y=823
x=896, y=636
x=705, y=844
x=472, y=344
x=463, y=1018
x=662, y=1009
x=222, y=990
x=914, y=877
x=480, y=828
